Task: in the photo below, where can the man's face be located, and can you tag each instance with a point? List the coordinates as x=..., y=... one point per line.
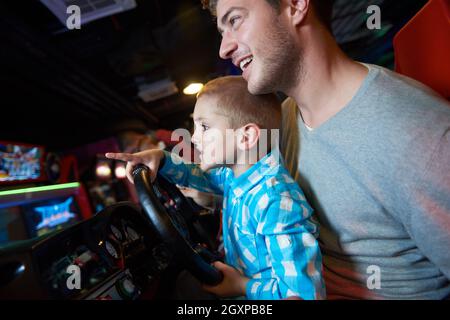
x=210, y=135
x=257, y=40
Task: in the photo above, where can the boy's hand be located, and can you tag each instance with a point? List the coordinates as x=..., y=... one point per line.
x=203, y=199
x=233, y=283
x=150, y=158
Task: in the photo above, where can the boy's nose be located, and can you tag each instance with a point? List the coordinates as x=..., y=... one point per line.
x=195, y=139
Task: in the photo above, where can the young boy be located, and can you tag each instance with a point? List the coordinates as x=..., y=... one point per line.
x=270, y=243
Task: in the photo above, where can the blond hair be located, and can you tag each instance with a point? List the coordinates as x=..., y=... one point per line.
x=240, y=106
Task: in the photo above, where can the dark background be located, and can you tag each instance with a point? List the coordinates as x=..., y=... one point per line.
x=65, y=88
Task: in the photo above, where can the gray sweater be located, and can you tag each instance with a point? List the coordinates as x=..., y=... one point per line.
x=378, y=176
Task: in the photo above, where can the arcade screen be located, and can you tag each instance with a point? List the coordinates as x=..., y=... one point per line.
x=36, y=219
x=20, y=163
x=50, y=215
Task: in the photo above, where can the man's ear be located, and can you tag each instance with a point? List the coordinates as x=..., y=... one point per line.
x=248, y=136
x=298, y=10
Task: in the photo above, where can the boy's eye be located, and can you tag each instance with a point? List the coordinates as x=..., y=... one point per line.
x=234, y=19
x=205, y=127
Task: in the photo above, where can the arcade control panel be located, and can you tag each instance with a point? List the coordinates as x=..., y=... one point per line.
x=114, y=255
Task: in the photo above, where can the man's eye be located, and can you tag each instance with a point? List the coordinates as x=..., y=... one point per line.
x=205, y=127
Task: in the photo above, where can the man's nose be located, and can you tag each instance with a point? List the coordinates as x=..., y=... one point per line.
x=227, y=46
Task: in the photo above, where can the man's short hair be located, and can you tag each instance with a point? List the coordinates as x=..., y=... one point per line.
x=240, y=106
x=323, y=9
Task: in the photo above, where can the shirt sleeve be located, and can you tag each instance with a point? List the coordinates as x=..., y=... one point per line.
x=427, y=215
x=294, y=252
x=190, y=175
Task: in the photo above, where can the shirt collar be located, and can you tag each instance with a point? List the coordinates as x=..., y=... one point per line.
x=246, y=181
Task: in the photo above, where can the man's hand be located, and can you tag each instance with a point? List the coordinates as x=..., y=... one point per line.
x=150, y=158
x=233, y=283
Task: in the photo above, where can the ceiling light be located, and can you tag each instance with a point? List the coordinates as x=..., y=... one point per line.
x=103, y=170
x=120, y=171
x=193, y=88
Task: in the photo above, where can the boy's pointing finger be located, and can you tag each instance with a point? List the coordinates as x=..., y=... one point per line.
x=120, y=156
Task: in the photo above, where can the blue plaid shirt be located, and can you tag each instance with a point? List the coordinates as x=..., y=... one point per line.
x=268, y=231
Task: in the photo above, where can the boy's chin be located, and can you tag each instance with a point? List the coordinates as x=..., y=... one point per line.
x=209, y=166
x=206, y=167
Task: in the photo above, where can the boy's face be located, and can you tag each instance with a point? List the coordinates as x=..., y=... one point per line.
x=214, y=142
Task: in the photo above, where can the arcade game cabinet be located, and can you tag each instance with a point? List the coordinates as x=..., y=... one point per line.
x=39, y=192
x=52, y=247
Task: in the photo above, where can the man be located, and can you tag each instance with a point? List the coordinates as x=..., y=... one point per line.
x=374, y=157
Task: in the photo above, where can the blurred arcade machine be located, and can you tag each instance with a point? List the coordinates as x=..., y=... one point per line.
x=40, y=192
x=105, y=179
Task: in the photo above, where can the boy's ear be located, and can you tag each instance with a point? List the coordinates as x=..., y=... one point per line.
x=298, y=9
x=248, y=136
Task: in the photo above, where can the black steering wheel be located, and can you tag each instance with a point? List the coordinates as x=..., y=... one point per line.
x=172, y=227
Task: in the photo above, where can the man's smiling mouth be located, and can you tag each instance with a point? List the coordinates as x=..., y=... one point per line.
x=245, y=63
